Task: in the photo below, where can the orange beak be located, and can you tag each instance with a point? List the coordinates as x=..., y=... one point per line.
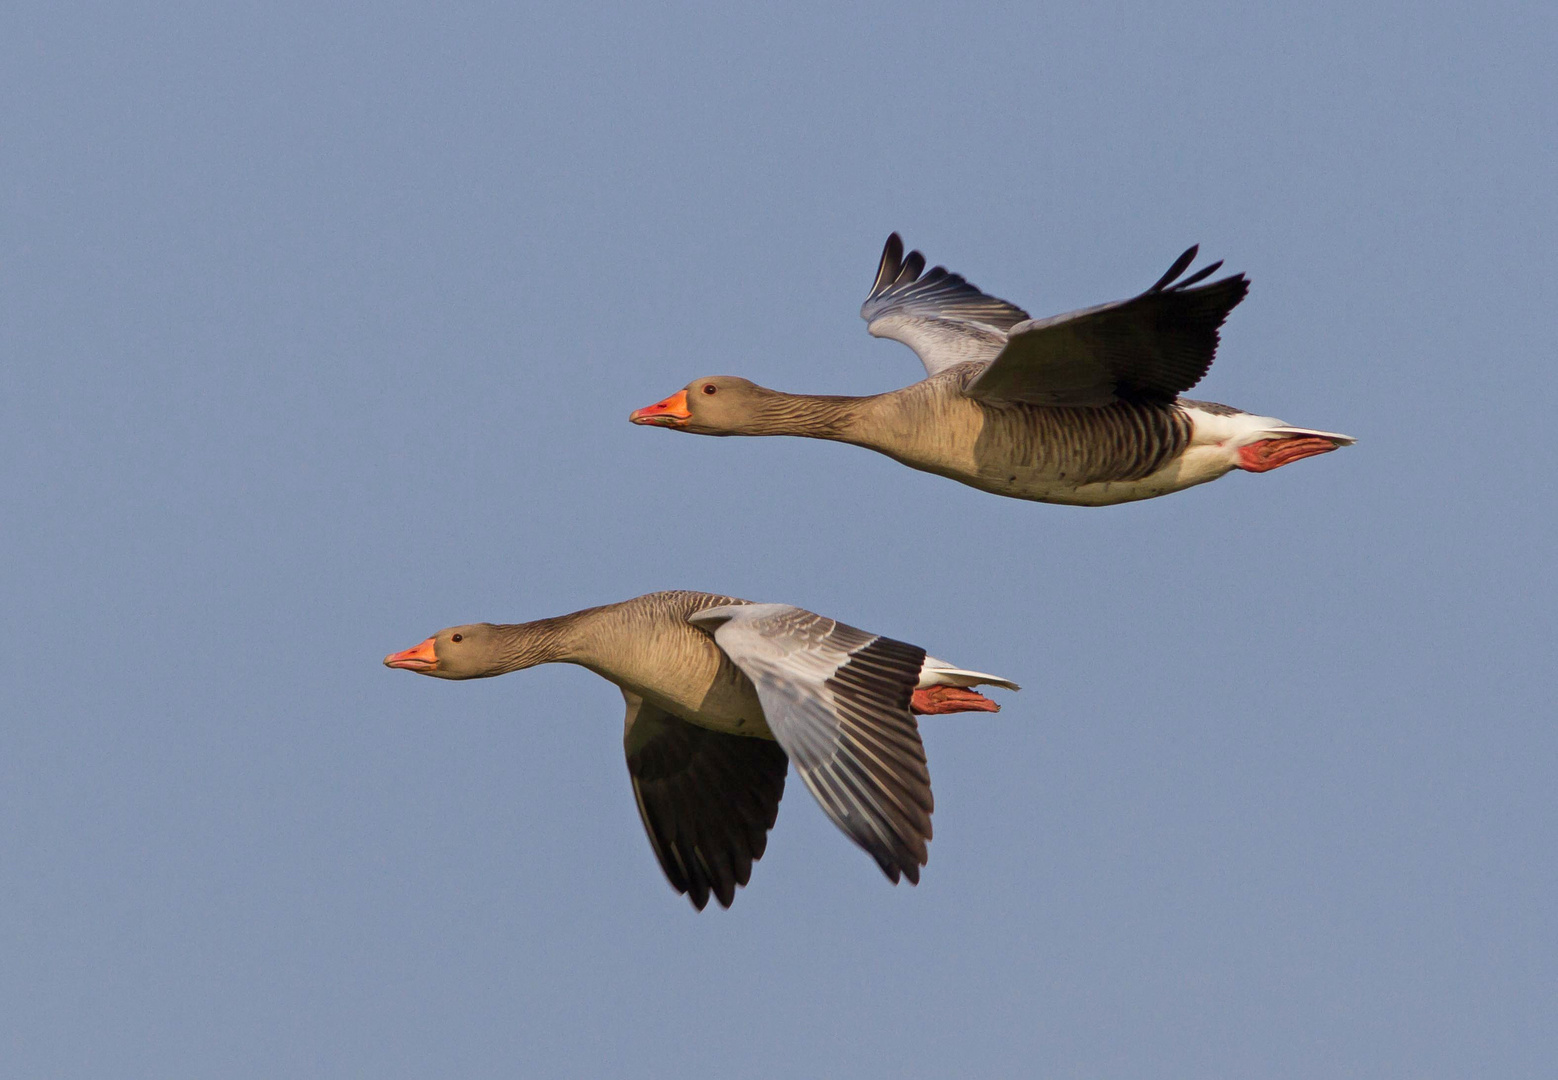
x=672, y=412
x=419, y=658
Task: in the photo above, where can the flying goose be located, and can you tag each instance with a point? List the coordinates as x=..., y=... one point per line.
x=1081, y=408
x=721, y=694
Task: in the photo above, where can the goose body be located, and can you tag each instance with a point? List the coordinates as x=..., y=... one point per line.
x=721, y=694
x=1082, y=408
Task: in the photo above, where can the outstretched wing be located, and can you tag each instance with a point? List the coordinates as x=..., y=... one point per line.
x=707, y=799
x=837, y=699
x=1152, y=347
x=943, y=318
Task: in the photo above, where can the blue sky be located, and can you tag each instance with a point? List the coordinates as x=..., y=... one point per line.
x=321, y=328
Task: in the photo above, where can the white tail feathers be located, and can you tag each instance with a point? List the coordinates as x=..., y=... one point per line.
x=1286, y=432
x=940, y=673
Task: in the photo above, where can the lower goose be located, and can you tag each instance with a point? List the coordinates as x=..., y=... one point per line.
x=721, y=695
x=1082, y=408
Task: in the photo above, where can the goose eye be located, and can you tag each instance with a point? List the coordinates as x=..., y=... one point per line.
x=458, y=637
x=709, y=388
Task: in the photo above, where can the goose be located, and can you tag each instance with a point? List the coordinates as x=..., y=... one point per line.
x=721, y=695
x=1082, y=409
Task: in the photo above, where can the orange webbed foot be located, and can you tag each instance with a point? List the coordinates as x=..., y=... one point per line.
x=935, y=700
x=1271, y=454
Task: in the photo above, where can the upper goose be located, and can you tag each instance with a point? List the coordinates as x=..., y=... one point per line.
x=721, y=694
x=1081, y=408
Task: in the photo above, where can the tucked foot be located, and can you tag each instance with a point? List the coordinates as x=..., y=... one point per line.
x=935, y=700
x=1271, y=454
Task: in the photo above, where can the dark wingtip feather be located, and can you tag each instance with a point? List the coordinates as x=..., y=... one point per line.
x=1178, y=268
x=1200, y=275
x=896, y=868
x=911, y=268
x=892, y=262
x=1227, y=292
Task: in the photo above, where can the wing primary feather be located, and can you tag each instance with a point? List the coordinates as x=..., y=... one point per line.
x=1178, y=268
x=905, y=801
x=721, y=882
x=909, y=756
x=1200, y=275
x=890, y=836
x=895, y=839
x=892, y=262
x=847, y=810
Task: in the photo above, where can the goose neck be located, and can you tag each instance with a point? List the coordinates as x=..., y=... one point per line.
x=813, y=416
x=544, y=641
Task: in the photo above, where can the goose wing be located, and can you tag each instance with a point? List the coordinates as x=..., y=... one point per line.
x=707, y=799
x=837, y=699
x=943, y=318
x=1152, y=347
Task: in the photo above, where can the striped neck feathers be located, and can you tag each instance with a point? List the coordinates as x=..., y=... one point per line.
x=812, y=416
x=559, y=639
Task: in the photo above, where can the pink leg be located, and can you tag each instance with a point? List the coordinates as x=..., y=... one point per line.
x=1271, y=454
x=935, y=700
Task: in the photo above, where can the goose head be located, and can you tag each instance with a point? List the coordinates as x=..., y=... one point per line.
x=717, y=405
x=460, y=652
